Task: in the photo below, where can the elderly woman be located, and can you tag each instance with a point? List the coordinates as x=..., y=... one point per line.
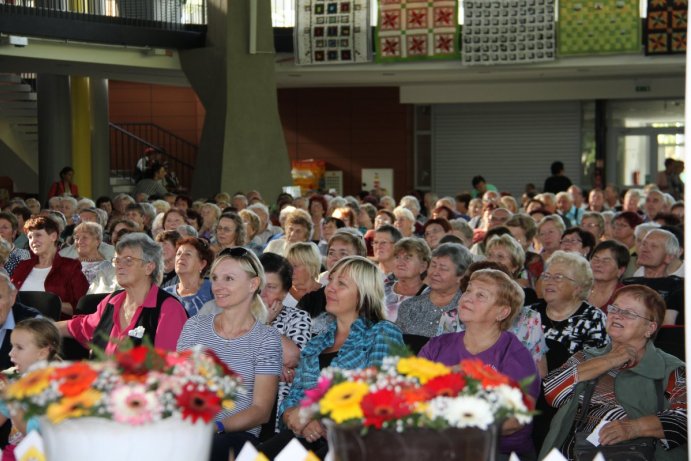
x=385, y=237
x=193, y=257
x=638, y=390
x=230, y=232
x=608, y=262
x=505, y=250
x=87, y=239
x=549, y=232
x=9, y=227
x=210, y=213
x=251, y=221
x=140, y=307
x=576, y=240
x=412, y=257
x=405, y=221
x=421, y=314
x=47, y=270
x=359, y=338
x=434, y=230
x=298, y=228
x=594, y=223
x=174, y=218
x=305, y=261
x=487, y=309
x=240, y=338
x=570, y=322
x=292, y=323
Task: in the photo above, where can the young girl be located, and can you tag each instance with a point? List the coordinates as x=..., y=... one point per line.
x=33, y=341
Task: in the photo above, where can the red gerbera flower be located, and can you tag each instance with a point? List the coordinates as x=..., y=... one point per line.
x=226, y=370
x=198, y=404
x=75, y=379
x=445, y=386
x=488, y=376
x=383, y=405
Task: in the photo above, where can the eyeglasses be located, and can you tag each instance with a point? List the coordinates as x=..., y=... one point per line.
x=571, y=241
x=546, y=276
x=626, y=313
x=127, y=261
x=240, y=253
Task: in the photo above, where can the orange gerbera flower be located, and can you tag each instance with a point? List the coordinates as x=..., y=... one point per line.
x=75, y=379
x=73, y=407
x=488, y=376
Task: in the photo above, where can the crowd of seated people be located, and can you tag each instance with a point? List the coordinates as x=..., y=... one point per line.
x=571, y=289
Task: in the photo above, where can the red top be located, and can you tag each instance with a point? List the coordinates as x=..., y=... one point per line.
x=58, y=188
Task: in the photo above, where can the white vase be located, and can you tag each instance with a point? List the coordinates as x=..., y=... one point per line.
x=89, y=439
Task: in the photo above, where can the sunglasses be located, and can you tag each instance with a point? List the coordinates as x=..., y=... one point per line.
x=240, y=253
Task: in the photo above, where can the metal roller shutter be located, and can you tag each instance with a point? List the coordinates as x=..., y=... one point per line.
x=510, y=144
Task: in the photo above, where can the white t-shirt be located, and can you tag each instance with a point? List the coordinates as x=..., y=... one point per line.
x=36, y=280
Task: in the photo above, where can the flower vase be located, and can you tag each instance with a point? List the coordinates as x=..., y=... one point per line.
x=417, y=444
x=89, y=439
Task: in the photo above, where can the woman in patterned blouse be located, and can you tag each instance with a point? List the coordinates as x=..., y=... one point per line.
x=629, y=377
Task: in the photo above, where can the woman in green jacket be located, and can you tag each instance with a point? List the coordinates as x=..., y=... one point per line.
x=629, y=374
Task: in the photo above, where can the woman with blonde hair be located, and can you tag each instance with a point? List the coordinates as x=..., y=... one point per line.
x=305, y=259
x=239, y=337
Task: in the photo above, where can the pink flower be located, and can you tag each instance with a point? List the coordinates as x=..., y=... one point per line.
x=133, y=404
x=313, y=396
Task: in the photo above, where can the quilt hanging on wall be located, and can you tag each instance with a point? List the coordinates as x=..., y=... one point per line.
x=409, y=30
x=332, y=31
x=508, y=31
x=598, y=26
x=665, y=27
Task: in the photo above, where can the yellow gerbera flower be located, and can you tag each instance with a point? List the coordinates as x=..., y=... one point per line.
x=73, y=407
x=343, y=401
x=228, y=404
x=32, y=383
x=422, y=369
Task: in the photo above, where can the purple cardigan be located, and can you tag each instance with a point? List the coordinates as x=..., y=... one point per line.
x=507, y=356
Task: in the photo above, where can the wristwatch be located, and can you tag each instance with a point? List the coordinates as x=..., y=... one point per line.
x=220, y=428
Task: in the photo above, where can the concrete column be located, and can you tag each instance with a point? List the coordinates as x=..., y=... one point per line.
x=242, y=145
x=81, y=133
x=54, y=129
x=100, y=138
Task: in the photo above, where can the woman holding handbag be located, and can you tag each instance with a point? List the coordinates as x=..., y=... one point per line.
x=635, y=390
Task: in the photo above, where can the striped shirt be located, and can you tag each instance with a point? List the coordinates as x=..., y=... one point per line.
x=258, y=352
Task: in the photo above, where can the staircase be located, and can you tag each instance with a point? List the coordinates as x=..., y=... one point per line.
x=18, y=117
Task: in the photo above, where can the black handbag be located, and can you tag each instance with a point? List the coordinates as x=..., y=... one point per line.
x=640, y=449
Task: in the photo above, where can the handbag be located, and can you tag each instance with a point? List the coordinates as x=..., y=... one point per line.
x=639, y=449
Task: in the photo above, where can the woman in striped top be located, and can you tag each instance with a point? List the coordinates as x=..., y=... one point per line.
x=629, y=375
x=242, y=341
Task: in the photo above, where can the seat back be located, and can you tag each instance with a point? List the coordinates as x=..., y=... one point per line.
x=671, y=340
x=48, y=304
x=87, y=304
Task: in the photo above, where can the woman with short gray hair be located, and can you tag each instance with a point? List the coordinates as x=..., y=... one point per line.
x=87, y=239
x=141, y=310
x=421, y=315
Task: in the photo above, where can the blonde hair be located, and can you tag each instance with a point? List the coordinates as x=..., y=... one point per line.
x=509, y=292
x=306, y=253
x=253, y=268
x=512, y=246
x=253, y=219
x=370, y=285
x=580, y=267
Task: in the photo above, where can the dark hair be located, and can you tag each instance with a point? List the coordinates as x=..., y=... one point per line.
x=556, y=167
x=193, y=215
x=339, y=222
x=11, y=218
x=620, y=252
x=631, y=218
x=439, y=221
x=23, y=211
x=276, y=264
x=464, y=198
x=203, y=250
x=127, y=222
x=135, y=207
x=185, y=199
x=319, y=199
x=587, y=239
x=392, y=231
x=171, y=236
x=387, y=213
x=65, y=170
x=103, y=199
x=173, y=210
x=153, y=169
x=668, y=219
x=450, y=213
x=477, y=180
x=450, y=238
x=42, y=223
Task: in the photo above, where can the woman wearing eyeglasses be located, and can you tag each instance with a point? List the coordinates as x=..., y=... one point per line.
x=569, y=321
x=140, y=310
x=239, y=337
x=639, y=392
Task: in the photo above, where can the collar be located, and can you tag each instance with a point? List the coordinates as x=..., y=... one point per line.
x=9, y=322
x=326, y=339
x=149, y=300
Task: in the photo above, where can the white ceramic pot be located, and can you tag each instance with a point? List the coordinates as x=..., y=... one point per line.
x=89, y=439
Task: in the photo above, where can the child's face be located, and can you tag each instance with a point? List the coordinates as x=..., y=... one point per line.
x=24, y=351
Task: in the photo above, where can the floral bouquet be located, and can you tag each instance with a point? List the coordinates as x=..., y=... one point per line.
x=412, y=392
x=138, y=386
